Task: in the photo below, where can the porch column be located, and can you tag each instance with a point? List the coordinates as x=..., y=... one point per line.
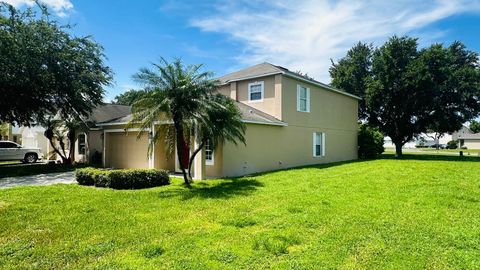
x=151, y=156
x=199, y=163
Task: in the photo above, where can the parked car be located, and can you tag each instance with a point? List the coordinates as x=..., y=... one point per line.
x=440, y=146
x=13, y=151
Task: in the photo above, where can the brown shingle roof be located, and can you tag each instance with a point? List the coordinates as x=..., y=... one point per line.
x=249, y=115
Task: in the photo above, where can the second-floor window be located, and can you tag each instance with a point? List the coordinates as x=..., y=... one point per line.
x=303, y=99
x=255, y=92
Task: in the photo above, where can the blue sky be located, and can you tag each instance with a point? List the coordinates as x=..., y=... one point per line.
x=229, y=35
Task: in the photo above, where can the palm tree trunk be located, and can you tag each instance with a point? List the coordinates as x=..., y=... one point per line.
x=181, y=149
x=192, y=158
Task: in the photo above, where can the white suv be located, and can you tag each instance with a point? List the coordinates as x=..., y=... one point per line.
x=12, y=151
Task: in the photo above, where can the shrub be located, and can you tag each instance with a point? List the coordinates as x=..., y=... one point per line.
x=370, y=142
x=122, y=179
x=464, y=148
x=452, y=144
x=86, y=176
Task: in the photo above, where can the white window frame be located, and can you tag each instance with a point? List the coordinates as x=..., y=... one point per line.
x=78, y=144
x=299, y=87
x=207, y=161
x=262, y=91
x=314, y=144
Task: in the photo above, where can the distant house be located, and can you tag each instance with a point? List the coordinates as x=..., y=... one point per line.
x=467, y=138
x=424, y=139
x=291, y=121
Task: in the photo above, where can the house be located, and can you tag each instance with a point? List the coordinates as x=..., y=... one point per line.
x=89, y=138
x=291, y=121
x=424, y=139
x=467, y=138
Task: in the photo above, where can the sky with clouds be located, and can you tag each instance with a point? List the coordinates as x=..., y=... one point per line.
x=229, y=35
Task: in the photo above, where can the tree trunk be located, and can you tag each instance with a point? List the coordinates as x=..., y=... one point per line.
x=181, y=149
x=192, y=158
x=398, y=150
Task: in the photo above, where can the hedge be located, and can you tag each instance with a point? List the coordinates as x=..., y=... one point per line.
x=122, y=179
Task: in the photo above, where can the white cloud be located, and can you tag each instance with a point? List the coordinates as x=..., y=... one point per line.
x=61, y=7
x=305, y=35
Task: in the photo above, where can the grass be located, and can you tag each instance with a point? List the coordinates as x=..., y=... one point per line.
x=467, y=152
x=415, y=213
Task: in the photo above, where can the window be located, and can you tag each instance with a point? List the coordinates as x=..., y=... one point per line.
x=318, y=144
x=8, y=145
x=255, y=92
x=208, y=153
x=303, y=99
x=81, y=144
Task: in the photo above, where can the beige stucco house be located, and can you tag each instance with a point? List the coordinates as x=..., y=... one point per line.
x=291, y=121
x=467, y=138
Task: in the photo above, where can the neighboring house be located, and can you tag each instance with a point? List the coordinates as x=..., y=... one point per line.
x=424, y=139
x=291, y=121
x=467, y=138
x=89, y=138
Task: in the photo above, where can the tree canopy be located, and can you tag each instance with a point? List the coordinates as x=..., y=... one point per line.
x=44, y=69
x=352, y=72
x=129, y=97
x=475, y=126
x=408, y=90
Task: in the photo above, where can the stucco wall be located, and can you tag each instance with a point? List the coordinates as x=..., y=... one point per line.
x=472, y=144
x=274, y=147
x=215, y=170
x=270, y=101
x=327, y=109
x=125, y=150
x=162, y=160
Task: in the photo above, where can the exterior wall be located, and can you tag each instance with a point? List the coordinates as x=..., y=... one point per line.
x=161, y=159
x=472, y=143
x=215, y=170
x=328, y=109
x=275, y=147
x=271, y=103
x=126, y=151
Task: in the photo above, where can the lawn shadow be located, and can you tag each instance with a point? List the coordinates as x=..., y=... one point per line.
x=227, y=188
x=431, y=157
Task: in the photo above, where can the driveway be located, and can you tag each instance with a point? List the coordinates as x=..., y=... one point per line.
x=38, y=180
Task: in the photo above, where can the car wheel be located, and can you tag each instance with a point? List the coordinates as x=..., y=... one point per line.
x=31, y=158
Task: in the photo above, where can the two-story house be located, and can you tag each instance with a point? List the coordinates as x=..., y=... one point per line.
x=291, y=121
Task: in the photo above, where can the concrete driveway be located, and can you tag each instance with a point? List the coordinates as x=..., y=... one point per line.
x=38, y=180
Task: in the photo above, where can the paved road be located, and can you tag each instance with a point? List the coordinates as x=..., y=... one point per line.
x=38, y=180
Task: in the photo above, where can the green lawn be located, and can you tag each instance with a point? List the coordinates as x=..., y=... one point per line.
x=416, y=213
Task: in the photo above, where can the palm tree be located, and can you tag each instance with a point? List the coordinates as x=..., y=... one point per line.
x=223, y=122
x=177, y=93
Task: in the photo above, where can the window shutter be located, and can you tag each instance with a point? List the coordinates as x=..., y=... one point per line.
x=308, y=99
x=323, y=144
x=298, y=97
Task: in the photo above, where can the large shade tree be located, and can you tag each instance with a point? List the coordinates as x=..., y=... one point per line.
x=410, y=91
x=182, y=95
x=351, y=73
x=45, y=70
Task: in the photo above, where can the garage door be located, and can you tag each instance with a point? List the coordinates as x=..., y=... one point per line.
x=126, y=151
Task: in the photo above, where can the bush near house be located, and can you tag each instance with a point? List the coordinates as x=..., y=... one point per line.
x=122, y=179
x=370, y=142
x=453, y=144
